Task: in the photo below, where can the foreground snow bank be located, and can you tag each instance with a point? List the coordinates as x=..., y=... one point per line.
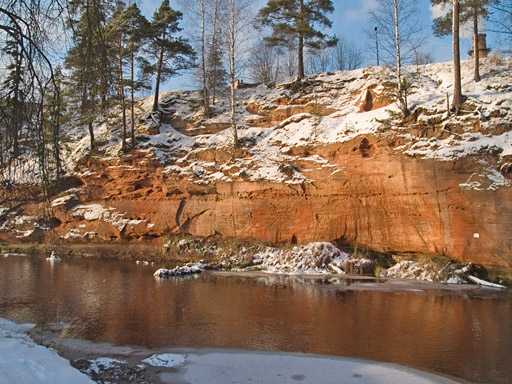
x=24, y=362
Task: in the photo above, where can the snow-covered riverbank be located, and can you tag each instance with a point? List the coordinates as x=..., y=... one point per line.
x=24, y=362
x=320, y=258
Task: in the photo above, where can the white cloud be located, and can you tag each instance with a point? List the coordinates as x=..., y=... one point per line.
x=439, y=10
x=362, y=10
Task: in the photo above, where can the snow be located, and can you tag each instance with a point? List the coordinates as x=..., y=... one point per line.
x=24, y=234
x=24, y=362
x=325, y=111
x=10, y=254
x=486, y=179
x=63, y=200
x=319, y=257
x=484, y=283
x=167, y=360
x=185, y=270
x=101, y=364
x=466, y=145
x=95, y=212
x=220, y=367
x=54, y=258
x=89, y=212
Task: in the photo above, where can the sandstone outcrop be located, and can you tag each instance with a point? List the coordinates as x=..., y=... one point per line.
x=327, y=162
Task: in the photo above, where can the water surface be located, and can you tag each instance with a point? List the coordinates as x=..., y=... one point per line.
x=462, y=333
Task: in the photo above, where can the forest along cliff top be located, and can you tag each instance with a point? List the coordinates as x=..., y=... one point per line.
x=279, y=127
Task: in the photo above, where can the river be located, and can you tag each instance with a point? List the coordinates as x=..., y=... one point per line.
x=461, y=332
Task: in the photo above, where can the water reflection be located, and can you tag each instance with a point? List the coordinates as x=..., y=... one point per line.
x=466, y=334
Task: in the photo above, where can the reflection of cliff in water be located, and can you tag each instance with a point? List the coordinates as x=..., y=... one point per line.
x=461, y=332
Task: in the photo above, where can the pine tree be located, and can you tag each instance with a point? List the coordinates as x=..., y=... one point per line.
x=13, y=94
x=55, y=117
x=117, y=31
x=299, y=20
x=471, y=11
x=137, y=33
x=172, y=53
x=88, y=60
x=454, y=21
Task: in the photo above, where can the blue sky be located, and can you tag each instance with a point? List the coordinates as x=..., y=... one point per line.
x=350, y=20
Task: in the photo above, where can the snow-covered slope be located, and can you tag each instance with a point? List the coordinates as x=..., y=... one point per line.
x=325, y=109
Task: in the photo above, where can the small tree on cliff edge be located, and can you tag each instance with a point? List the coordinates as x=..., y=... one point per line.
x=300, y=21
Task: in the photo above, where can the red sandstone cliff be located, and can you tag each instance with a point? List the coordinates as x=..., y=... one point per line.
x=326, y=161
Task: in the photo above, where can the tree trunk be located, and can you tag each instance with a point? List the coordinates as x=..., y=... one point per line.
x=91, y=135
x=476, y=45
x=232, y=70
x=87, y=77
x=158, y=77
x=214, y=51
x=132, y=95
x=17, y=115
x=300, y=57
x=206, y=98
x=56, y=111
x=457, y=86
x=401, y=96
x=121, y=90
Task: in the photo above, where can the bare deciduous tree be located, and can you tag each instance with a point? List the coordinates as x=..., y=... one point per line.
x=318, y=60
x=198, y=11
x=410, y=27
x=346, y=56
x=237, y=14
x=30, y=94
x=500, y=18
x=264, y=64
x=401, y=35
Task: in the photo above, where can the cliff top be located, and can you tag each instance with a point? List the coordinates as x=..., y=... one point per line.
x=329, y=108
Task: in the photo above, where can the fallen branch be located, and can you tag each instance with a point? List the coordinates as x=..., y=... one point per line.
x=336, y=269
x=484, y=283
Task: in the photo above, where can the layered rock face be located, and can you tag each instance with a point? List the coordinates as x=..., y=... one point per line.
x=383, y=201
x=330, y=161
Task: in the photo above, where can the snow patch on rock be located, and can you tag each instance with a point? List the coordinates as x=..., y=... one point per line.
x=93, y=212
x=320, y=257
x=185, y=270
x=166, y=360
x=101, y=364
